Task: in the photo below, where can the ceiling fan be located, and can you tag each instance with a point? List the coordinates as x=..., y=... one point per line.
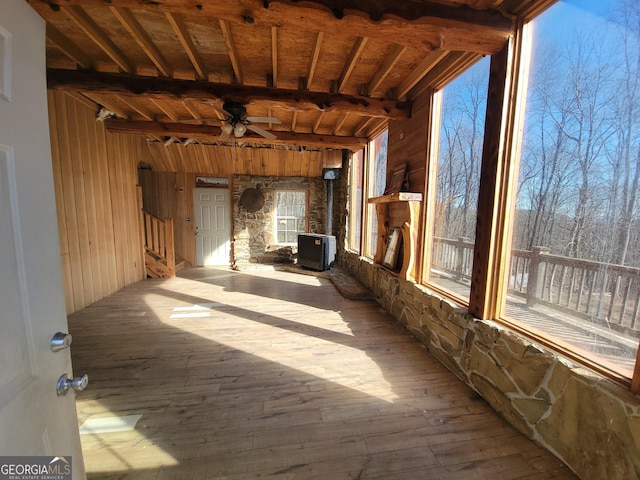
x=237, y=122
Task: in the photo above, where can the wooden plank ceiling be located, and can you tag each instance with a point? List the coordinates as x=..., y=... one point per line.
x=333, y=72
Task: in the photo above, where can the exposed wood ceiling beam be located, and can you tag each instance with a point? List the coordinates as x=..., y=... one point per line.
x=67, y=47
x=196, y=107
x=340, y=123
x=192, y=108
x=422, y=25
x=106, y=103
x=164, y=109
x=121, y=84
x=231, y=47
x=143, y=39
x=419, y=72
x=314, y=59
x=364, y=123
x=180, y=29
x=385, y=68
x=270, y=115
x=274, y=55
x=90, y=104
x=133, y=105
x=445, y=71
x=317, y=123
x=88, y=26
x=349, y=65
x=181, y=130
x=377, y=129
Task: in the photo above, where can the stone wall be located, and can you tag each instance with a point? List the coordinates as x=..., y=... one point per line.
x=588, y=421
x=253, y=232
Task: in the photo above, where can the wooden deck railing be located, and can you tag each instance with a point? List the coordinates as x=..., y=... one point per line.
x=583, y=288
x=159, y=241
x=454, y=257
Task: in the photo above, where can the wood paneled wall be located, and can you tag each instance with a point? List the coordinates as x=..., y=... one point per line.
x=408, y=140
x=168, y=193
x=219, y=160
x=97, y=202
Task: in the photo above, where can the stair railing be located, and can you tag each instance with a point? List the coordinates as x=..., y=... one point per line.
x=158, y=240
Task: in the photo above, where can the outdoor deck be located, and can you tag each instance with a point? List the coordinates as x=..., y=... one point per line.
x=607, y=346
x=270, y=374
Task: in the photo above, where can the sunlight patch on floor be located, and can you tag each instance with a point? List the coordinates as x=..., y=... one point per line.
x=109, y=424
x=313, y=344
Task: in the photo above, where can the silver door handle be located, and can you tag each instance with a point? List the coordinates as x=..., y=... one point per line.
x=77, y=384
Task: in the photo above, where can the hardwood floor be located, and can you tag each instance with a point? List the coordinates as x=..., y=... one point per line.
x=270, y=374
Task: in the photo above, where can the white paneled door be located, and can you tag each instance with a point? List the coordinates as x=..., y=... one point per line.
x=34, y=419
x=212, y=226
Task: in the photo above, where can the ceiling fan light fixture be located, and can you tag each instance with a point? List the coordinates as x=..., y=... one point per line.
x=239, y=130
x=227, y=128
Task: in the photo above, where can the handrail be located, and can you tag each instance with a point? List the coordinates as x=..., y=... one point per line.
x=158, y=236
x=598, y=291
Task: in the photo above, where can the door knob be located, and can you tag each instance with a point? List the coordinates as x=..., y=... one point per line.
x=60, y=341
x=65, y=383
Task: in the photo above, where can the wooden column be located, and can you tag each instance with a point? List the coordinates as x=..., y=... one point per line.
x=499, y=175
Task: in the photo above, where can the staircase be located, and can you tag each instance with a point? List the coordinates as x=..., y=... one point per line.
x=160, y=257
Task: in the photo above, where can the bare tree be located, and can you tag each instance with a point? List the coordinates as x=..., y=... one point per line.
x=626, y=163
x=588, y=127
x=464, y=106
x=546, y=167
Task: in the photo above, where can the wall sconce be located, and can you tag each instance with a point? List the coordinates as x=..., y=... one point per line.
x=178, y=189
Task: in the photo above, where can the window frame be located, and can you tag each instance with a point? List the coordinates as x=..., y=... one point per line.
x=435, y=113
x=353, y=212
x=276, y=216
x=507, y=92
x=516, y=67
x=369, y=242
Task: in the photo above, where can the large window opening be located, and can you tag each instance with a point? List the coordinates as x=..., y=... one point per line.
x=459, y=157
x=574, y=276
x=356, y=182
x=376, y=183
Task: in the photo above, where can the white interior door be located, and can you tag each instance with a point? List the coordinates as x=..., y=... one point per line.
x=212, y=226
x=34, y=420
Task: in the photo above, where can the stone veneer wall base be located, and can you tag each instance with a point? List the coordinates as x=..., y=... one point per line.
x=588, y=421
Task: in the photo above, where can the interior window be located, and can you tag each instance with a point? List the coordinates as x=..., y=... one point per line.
x=291, y=215
x=574, y=275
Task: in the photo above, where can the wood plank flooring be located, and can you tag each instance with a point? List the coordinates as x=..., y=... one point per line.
x=271, y=374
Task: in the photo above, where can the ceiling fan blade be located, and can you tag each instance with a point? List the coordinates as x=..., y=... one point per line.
x=264, y=120
x=222, y=111
x=260, y=131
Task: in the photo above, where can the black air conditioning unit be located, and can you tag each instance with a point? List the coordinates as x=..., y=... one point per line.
x=317, y=252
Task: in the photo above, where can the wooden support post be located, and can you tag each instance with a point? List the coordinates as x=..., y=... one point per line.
x=170, y=247
x=499, y=174
x=382, y=211
x=459, y=258
x=535, y=280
